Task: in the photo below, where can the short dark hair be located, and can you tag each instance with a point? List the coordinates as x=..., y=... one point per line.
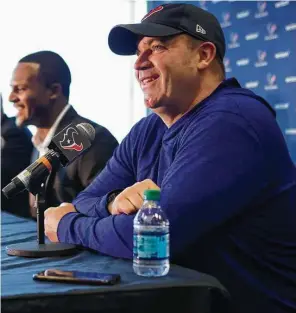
x=53, y=69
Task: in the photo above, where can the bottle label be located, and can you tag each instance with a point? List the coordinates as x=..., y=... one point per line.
x=152, y=247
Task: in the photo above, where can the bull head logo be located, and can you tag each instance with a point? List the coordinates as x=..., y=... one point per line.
x=68, y=142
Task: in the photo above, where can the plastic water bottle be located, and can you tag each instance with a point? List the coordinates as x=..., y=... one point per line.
x=151, y=238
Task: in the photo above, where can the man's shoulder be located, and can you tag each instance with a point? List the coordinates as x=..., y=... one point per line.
x=151, y=121
x=9, y=129
x=238, y=99
x=242, y=103
x=72, y=117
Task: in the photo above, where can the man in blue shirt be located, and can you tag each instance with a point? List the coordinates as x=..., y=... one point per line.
x=228, y=185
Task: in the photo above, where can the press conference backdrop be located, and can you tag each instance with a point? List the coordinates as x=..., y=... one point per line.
x=261, y=52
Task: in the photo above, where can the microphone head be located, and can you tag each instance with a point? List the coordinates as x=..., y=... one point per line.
x=88, y=130
x=11, y=190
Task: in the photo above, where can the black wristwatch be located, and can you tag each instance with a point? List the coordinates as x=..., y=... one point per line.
x=112, y=195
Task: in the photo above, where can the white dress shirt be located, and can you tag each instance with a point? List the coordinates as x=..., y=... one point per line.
x=42, y=147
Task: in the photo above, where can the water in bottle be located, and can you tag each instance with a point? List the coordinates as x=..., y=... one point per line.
x=151, y=238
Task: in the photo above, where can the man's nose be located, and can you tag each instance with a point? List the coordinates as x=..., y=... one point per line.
x=143, y=61
x=12, y=97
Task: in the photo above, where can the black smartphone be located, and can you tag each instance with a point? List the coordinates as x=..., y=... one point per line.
x=88, y=278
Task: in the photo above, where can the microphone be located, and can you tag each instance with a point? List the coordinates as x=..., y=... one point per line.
x=64, y=148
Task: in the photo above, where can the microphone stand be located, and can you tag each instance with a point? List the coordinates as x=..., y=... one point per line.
x=41, y=249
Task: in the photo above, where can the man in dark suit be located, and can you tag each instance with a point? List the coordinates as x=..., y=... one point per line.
x=40, y=93
x=16, y=151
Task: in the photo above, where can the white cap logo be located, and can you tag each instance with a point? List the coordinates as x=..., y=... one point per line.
x=199, y=29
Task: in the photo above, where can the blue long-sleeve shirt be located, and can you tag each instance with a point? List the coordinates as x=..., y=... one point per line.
x=228, y=187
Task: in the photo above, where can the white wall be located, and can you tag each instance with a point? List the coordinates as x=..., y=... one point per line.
x=103, y=84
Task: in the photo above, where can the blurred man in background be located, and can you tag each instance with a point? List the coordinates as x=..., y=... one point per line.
x=40, y=92
x=16, y=152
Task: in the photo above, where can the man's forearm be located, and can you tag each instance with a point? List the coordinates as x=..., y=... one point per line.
x=91, y=206
x=112, y=235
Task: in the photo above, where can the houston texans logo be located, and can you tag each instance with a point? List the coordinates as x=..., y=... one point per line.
x=68, y=142
x=226, y=16
x=157, y=9
x=271, y=78
x=271, y=28
x=261, y=55
x=226, y=62
x=261, y=5
x=202, y=4
x=234, y=37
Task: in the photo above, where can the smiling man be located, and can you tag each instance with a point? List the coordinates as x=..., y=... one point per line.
x=40, y=93
x=228, y=184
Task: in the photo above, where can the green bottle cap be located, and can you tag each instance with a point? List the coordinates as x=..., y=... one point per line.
x=152, y=194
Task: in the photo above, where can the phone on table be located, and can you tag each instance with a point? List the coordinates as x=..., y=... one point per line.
x=88, y=278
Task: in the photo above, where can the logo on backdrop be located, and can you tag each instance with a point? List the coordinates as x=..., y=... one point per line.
x=68, y=142
x=226, y=62
x=290, y=131
x=252, y=84
x=261, y=58
x=225, y=20
x=271, y=82
x=233, y=41
x=252, y=36
x=280, y=4
x=282, y=106
x=271, y=31
x=282, y=54
x=290, y=27
x=261, y=9
x=242, y=14
x=290, y=79
x=202, y=4
x=242, y=62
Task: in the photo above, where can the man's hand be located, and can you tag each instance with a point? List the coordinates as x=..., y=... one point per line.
x=131, y=199
x=52, y=217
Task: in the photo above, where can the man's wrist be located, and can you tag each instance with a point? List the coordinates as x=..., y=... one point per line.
x=111, y=197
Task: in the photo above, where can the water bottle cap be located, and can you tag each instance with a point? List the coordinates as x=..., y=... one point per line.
x=152, y=194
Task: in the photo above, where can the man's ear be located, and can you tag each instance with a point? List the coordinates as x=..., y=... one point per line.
x=56, y=91
x=207, y=53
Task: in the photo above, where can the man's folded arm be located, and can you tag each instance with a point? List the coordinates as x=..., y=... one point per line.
x=112, y=235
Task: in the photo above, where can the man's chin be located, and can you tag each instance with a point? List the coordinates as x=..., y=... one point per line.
x=21, y=122
x=151, y=103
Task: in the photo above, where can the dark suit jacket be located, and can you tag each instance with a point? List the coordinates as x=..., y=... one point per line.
x=70, y=180
x=15, y=157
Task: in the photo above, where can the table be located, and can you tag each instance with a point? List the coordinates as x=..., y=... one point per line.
x=182, y=290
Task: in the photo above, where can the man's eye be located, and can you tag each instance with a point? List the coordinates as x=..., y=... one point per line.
x=157, y=48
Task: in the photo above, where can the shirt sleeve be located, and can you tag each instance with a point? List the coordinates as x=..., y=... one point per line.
x=217, y=171
x=111, y=235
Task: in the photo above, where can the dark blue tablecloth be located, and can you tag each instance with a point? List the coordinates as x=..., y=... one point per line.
x=188, y=289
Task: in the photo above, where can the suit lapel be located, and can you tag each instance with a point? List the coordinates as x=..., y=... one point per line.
x=68, y=118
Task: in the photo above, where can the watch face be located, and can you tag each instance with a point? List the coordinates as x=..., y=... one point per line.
x=112, y=196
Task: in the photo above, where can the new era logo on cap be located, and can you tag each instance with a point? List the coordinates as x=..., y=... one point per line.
x=199, y=29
